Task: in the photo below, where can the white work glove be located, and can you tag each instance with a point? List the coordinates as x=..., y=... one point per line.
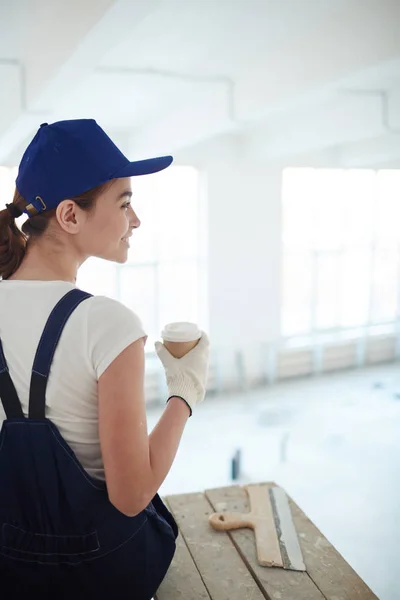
x=187, y=376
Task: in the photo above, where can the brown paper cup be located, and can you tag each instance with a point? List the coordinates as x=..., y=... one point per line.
x=179, y=349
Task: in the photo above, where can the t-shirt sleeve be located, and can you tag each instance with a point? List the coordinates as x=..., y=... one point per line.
x=112, y=327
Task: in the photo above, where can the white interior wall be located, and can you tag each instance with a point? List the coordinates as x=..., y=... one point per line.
x=243, y=257
x=244, y=263
x=245, y=252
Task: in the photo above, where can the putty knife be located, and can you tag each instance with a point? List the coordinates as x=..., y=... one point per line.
x=275, y=534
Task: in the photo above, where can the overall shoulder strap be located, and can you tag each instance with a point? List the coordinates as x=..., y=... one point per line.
x=8, y=394
x=47, y=347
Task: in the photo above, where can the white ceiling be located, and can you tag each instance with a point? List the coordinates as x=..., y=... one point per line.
x=290, y=79
x=215, y=37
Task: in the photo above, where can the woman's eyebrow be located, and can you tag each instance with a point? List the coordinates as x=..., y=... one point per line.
x=127, y=193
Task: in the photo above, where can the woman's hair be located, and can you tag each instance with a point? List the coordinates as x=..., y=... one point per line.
x=14, y=241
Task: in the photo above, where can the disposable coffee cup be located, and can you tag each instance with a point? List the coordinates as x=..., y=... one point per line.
x=180, y=338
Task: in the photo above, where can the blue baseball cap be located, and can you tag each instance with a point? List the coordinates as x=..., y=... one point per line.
x=68, y=158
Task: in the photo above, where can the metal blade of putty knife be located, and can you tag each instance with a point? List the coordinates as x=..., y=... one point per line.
x=292, y=556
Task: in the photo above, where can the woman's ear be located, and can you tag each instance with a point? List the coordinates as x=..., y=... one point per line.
x=69, y=216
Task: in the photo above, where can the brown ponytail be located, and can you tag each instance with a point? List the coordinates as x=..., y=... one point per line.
x=14, y=241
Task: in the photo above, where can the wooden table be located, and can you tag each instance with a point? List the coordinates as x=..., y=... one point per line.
x=215, y=565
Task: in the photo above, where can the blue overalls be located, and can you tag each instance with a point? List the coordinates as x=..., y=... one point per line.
x=59, y=534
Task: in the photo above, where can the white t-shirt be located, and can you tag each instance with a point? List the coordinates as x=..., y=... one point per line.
x=98, y=330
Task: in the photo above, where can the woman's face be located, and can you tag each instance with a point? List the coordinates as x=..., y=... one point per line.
x=107, y=228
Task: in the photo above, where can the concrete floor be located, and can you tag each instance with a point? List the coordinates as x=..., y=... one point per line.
x=332, y=442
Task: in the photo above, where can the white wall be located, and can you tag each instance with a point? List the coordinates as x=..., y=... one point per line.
x=244, y=220
x=243, y=255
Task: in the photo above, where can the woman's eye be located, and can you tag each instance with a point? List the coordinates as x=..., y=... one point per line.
x=126, y=205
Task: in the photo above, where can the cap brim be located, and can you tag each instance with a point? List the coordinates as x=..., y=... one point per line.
x=145, y=167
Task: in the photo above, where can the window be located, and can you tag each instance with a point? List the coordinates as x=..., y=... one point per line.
x=7, y=184
x=341, y=238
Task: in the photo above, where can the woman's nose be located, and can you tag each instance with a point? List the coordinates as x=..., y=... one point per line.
x=134, y=220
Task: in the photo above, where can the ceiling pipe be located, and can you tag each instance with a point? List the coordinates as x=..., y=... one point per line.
x=385, y=109
x=22, y=79
x=218, y=79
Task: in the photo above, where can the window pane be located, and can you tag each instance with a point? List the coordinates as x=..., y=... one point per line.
x=298, y=208
x=7, y=184
x=296, y=320
x=355, y=273
x=297, y=290
x=98, y=277
x=167, y=205
x=179, y=293
x=388, y=209
x=354, y=215
x=327, y=291
x=137, y=289
x=143, y=243
x=385, y=285
x=359, y=192
x=178, y=215
x=329, y=202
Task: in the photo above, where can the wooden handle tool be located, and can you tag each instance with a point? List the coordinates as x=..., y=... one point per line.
x=270, y=517
x=261, y=519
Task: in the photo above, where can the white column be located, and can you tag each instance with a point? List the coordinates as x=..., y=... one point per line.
x=244, y=266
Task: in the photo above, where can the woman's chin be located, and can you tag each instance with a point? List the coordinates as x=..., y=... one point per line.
x=120, y=255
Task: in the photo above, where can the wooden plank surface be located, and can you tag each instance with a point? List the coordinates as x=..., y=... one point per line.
x=182, y=581
x=224, y=573
x=275, y=582
x=326, y=567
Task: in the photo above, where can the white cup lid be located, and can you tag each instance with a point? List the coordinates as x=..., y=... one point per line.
x=181, y=332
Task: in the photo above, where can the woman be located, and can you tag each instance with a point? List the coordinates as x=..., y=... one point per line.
x=80, y=516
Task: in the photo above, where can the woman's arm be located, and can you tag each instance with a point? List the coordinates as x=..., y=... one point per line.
x=135, y=463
